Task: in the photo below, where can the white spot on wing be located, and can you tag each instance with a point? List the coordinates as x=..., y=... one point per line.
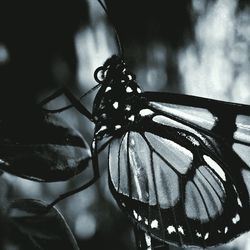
x=146, y=112
x=104, y=115
x=225, y=230
x=180, y=230
x=128, y=107
x=115, y=105
x=148, y=241
x=198, y=234
x=236, y=219
x=129, y=77
x=135, y=214
x=138, y=90
x=154, y=224
x=238, y=199
x=239, y=202
x=129, y=90
x=102, y=128
x=206, y=236
x=211, y=163
x=108, y=89
x=118, y=126
x=146, y=221
x=131, y=118
x=171, y=229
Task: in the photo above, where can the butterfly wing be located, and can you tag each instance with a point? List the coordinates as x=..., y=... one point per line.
x=182, y=174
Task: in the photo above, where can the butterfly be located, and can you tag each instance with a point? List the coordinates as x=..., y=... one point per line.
x=179, y=165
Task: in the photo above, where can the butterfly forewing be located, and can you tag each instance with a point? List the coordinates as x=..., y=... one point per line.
x=179, y=175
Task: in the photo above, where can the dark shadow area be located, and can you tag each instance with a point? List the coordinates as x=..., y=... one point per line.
x=39, y=39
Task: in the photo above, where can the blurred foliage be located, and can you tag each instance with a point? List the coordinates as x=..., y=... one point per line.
x=32, y=226
x=58, y=151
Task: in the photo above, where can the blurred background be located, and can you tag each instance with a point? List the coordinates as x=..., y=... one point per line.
x=197, y=47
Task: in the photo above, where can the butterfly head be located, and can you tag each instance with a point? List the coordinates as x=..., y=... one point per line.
x=114, y=106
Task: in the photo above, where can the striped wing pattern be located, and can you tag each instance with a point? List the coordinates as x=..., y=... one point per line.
x=178, y=177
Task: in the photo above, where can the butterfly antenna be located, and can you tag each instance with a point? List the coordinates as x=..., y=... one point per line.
x=118, y=41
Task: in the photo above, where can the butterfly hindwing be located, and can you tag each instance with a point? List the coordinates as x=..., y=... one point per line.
x=181, y=175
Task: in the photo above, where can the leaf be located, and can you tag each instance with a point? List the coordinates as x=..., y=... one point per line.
x=42, y=147
x=36, y=228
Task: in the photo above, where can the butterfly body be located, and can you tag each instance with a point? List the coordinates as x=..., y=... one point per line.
x=172, y=166
x=118, y=102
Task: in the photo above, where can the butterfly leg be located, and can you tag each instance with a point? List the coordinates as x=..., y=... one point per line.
x=75, y=103
x=142, y=240
x=96, y=175
x=52, y=97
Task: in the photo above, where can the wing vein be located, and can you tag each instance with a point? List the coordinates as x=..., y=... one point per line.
x=129, y=174
x=156, y=194
x=209, y=183
x=119, y=162
x=172, y=209
x=183, y=207
x=162, y=158
x=202, y=228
